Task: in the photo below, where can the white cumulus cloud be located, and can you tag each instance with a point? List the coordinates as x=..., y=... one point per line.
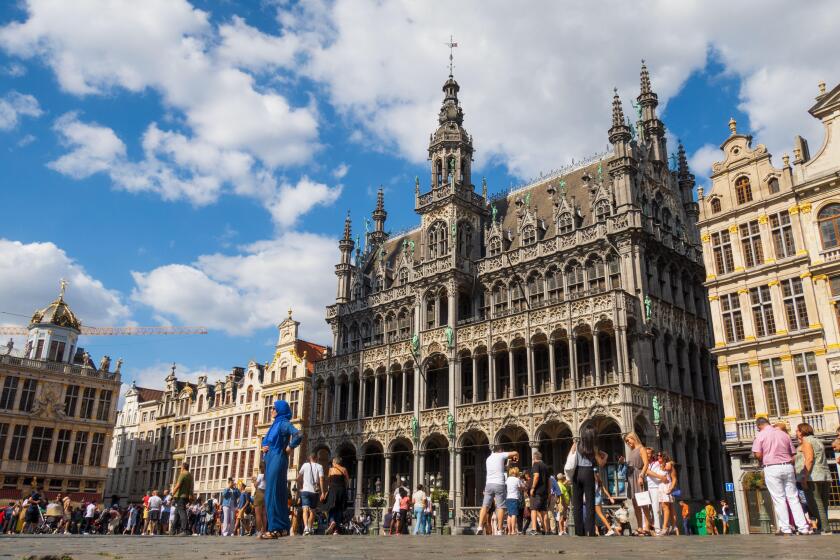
x=243, y=292
x=15, y=105
x=29, y=277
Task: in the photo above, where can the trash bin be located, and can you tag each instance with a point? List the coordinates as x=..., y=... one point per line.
x=700, y=522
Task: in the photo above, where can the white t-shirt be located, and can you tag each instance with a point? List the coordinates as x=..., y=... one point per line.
x=418, y=498
x=154, y=503
x=312, y=473
x=496, y=467
x=261, y=481
x=512, y=484
x=90, y=510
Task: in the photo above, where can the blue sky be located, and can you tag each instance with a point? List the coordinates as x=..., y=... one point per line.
x=191, y=164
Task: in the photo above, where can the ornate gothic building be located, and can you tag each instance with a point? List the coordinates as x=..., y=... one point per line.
x=517, y=319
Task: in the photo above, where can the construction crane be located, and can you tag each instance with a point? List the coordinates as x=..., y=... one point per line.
x=115, y=331
x=102, y=331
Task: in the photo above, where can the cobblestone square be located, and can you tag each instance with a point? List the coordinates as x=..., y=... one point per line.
x=428, y=548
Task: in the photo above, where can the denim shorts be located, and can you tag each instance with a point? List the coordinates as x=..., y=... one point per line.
x=494, y=492
x=309, y=499
x=512, y=506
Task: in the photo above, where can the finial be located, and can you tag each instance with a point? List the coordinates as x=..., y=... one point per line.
x=617, y=110
x=63, y=287
x=682, y=162
x=172, y=369
x=290, y=313
x=732, y=125
x=645, y=79
x=380, y=200
x=821, y=85
x=451, y=44
x=416, y=184
x=786, y=160
x=347, y=227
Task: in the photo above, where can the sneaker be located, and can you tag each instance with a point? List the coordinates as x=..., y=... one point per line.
x=533, y=532
x=611, y=533
x=480, y=531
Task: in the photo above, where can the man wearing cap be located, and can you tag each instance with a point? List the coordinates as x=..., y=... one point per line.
x=774, y=449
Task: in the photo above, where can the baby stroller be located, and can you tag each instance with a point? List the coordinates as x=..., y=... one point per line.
x=356, y=525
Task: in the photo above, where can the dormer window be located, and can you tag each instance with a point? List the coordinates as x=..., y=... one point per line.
x=566, y=223
x=402, y=276
x=529, y=235
x=773, y=185
x=743, y=190
x=602, y=211
x=495, y=246
x=715, y=204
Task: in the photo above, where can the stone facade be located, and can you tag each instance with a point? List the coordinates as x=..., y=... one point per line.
x=772, y=252
x=518, y=318
x=57, y=410
x=215, y=427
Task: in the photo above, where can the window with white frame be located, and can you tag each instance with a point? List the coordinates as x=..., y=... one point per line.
x=808, y=381
x=742, y=391
x=751, y=243
x=774, y=387
x=762, y=310
x=794, y=299
x=733, y=322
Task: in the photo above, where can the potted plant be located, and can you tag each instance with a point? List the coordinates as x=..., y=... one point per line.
x=754, y=481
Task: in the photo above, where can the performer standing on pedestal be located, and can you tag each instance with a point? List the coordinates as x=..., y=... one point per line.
x=277, y=444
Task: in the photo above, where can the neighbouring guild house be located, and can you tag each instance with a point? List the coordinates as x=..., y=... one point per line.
x=517, y=318
x=216, y=427
x=771, y=239
x=57, y=411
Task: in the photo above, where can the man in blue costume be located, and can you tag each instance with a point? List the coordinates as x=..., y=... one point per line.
x=277, y=444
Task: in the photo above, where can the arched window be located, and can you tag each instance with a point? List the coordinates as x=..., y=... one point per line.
x=249, y=394
x=715, y=205
x=743, y=190
x=402, y=276
x=200, y=403
x=535, y=289
x=529, y=235
x=574, y=279
x=666, y=219
x=430, y=310
x=595, y=274
x=614, y=270
x=439, y=172
x=378, y=283
x=495, y=246
x=464, y=239
x=554, y=284
x=500, y=301
x=404, y=323
x=517, y=298
x=378, y=330
x=365, y=331
x=829, y=220
x=390, y=327
x=565, y=224
x=438, y=240
x=773, y=185
x=602, y=210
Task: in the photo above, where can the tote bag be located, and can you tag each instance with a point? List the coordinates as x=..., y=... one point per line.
x=642, y=498
x=570, y=466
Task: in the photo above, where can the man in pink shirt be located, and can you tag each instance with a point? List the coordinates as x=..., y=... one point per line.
x=774, y=449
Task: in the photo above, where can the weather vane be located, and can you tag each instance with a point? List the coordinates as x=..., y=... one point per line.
x=451, y=44
x=63, y=284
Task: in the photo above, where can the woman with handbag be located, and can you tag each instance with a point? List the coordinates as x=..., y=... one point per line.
x=338, y=480
x=588, y=459
x=637, y=465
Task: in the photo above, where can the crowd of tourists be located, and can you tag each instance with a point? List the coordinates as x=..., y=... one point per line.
x=516, y=501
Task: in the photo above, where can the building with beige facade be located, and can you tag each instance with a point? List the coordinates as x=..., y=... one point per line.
x=216, y=427
x=771, y=243
x=57, y=410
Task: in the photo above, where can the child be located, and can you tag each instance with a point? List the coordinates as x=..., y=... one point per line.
x=622, y=518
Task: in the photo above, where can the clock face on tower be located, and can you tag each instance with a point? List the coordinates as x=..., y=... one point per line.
x=285, y=336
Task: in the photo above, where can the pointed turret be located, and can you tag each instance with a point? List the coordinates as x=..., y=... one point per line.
x=685, y=180
x=378, y=237
x=654, y=130
x=622, y=165
x=450, y=147
x=342, y=269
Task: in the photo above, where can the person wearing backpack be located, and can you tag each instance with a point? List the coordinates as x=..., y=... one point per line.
x=311, y=484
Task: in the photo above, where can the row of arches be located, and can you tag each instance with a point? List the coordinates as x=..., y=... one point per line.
x=376, y=467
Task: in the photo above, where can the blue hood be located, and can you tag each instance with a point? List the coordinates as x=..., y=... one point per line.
x=283, y=409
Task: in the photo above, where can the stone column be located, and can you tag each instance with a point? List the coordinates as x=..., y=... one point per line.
x=621, y=366
x=403, y=390
x=362, y=391
x=573, y=360
x=552, y=373
x=337, y=402
x=511, y=375
x=360, y=465
x=452, y=478
x=376, y=395
x=475, y=379
x=421, y=474
x=389, y=391
x=596, y=347
x=529, y=360
x=458, y=495
x=386, y=485
x=351, y=401
x=491, y=372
